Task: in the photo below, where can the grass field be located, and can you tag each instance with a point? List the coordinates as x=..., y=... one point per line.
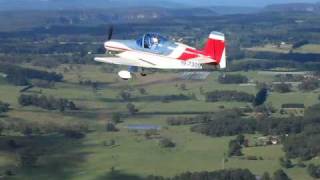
x=272, y=48
x=309, y=48
x=133, y=154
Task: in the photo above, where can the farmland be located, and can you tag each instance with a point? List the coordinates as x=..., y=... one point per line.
x=42, y=137
x=133, y=154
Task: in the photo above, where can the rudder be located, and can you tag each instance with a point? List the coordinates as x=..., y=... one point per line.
x=215, y=48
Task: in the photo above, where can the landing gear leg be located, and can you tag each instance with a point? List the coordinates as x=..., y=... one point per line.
x=143, y=73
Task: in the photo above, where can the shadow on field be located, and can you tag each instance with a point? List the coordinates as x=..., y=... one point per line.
x=118, y=175
x=51, y=157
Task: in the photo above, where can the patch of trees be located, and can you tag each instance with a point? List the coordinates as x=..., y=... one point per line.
x=180, y=97
x=43, y=83
x=47, y=63
x=110, y=127
x=29, y=157
x=261, y=64
x=72, y=130
x=72, y=133
x=177, y=121
x=231, y=122
x=265, y=109
x=166, y=143
x=304, y=145
x=235, y=146
x=314, y=170
x=292, y=105
x=239, y=174
x=4, y=107
x=116, y=117
x=249, y=65
x=285, y=162
x=280, y=126
x=280, y=175
x=20, y=76
x=305, y=142
x=300, y=44
x=49, y=103
x=260, y=97
x=282, y=88
x=232, y=79
x=289, y=78
x=127, y=96
x=309, y=66
x=215, y=96
x=132, y=109
x=226, y=123
x=297, y=57
x=93, y=84
x=309, y=84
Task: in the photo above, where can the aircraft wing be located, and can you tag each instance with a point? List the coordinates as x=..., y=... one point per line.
x=121, y=61
x=149, y=60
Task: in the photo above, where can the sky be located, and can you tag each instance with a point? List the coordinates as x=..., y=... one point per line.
x=47, y=4
x=243, y=2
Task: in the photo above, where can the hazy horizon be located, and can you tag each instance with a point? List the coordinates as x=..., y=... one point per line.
x=54, y=4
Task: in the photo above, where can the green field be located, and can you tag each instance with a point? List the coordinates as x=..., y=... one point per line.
x=133, y=154
x=272, y=48
x=309, y=48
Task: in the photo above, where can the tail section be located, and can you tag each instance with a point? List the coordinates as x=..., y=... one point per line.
x=215, y=48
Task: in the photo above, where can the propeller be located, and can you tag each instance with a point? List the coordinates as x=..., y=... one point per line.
x=110, y=33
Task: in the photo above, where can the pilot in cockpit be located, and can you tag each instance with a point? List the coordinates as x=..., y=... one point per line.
x=154, y=42
x=151, y=41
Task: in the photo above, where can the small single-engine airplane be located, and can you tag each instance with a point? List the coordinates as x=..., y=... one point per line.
x=154, y=51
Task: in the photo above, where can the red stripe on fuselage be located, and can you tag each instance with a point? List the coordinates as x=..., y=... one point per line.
x=213, y=49
x=190, y=53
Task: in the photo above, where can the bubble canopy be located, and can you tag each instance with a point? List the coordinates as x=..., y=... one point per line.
x=151, y=40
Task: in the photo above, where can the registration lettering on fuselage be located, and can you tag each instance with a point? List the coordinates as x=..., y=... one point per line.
x=191, y=64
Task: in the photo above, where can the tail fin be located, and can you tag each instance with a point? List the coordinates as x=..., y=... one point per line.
x=215, y=48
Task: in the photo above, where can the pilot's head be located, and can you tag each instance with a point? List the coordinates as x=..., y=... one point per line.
x=155, y=40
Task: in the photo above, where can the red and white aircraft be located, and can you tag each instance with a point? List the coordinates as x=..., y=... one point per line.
x=156, y=52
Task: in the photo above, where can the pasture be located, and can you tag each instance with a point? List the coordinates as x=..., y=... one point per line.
x=132, y=154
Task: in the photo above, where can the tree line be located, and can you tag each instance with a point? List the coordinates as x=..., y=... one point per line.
x=49, y=103
x=4, y=107
x=20, y=76
x=232, y=79
x=226, y=126
x=263, y=64
x=299, y=57
x=239, y=174
x=228, y=174
x=229, y=95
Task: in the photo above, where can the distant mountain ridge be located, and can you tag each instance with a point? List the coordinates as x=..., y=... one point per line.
x=302, y=7
x=205, y=7
x=81, y=4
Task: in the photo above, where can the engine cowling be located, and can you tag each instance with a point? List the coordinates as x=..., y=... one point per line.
x=125, y=75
